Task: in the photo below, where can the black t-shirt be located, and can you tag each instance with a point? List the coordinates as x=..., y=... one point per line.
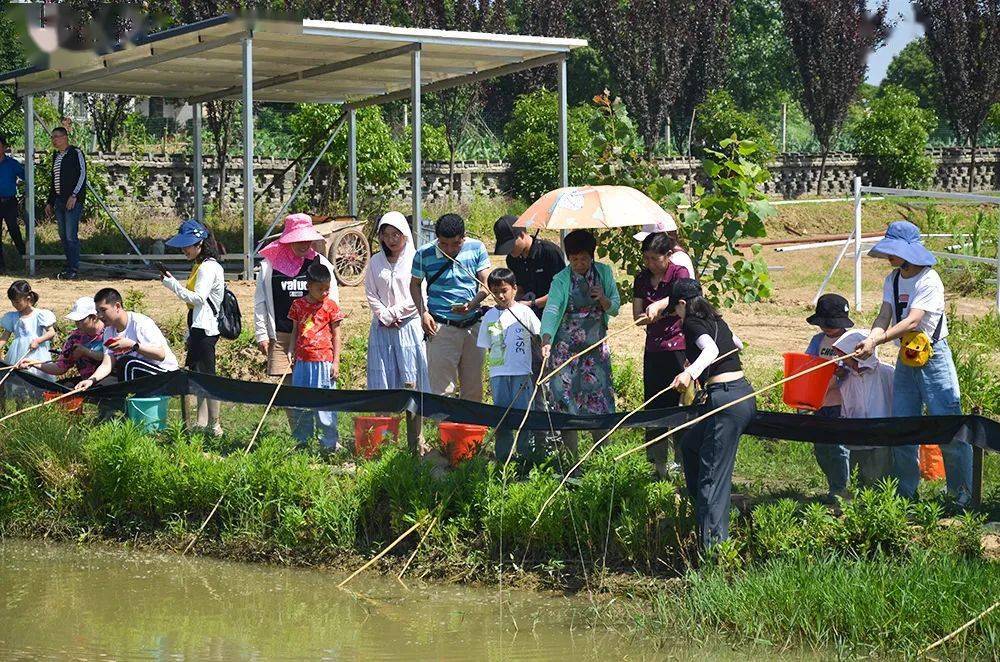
x=535, y=271
x=718, y=330
x=287, y=289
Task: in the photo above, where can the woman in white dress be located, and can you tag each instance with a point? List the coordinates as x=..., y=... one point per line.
x=396, y=353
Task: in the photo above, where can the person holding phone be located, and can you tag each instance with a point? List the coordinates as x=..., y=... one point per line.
x=202, y=293
x=454, y=269
x=582, y=300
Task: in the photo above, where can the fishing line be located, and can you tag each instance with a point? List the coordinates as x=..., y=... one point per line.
x=246, y=451
x=697, y=420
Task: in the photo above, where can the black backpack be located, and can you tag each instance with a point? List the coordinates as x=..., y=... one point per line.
x=229, y=316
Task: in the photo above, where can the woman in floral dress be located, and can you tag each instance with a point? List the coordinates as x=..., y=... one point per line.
x=582, y=299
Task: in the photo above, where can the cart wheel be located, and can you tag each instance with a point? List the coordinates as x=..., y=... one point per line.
x=349, y=254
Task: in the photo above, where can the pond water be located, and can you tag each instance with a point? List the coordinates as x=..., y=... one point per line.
x=63, y=601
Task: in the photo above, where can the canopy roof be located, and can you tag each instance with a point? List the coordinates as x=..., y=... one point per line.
x=293, y=61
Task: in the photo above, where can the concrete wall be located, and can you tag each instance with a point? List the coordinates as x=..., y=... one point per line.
x=162, y=183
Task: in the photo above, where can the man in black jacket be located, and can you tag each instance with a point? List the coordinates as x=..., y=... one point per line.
x=69, y=187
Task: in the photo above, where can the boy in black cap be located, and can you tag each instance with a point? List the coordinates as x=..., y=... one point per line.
x=535, y=262
x=831, y=317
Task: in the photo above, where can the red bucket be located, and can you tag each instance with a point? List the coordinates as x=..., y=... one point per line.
x=808, y=391
x=460, y=442
x=73, y=405
x=370, y=433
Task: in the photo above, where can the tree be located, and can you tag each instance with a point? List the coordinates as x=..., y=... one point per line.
x=708, y=57
x=719, y=119
x=892, y=137
x=761, y=67
x=963, y=40
x=107, y=115
x=456, y=105
x=647, y=45
x=223, y=119
x=913, y=70
x=831, y=40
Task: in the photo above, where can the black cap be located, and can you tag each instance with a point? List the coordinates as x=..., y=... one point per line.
x=505, y=234
x=683, y=289
x=831, y=312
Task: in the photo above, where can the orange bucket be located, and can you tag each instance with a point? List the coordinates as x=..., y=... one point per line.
x=72, y=405
x=460, y=442
x=808, y=391
x=370, y=433
x=931, y=463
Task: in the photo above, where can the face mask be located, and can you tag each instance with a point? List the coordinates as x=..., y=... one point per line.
x=915, y=349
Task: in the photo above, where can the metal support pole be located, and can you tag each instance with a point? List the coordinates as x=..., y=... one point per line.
x=563, y=131
x=29, y=178
x=833, y=268
x=669, y=139
x=784, y=128
x=248, y=220
x=416, y=179
x=563, y=136
x=352, y=162
x=857, y=243
x=199, y=177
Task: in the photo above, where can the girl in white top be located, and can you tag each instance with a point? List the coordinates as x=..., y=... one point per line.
x=30, y=331
x=203, y=294
x=396, y=353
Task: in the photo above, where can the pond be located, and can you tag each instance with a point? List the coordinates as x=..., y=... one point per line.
x=64, y=601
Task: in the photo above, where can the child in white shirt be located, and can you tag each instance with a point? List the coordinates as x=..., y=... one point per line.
x=866, y=392
x=506, y=332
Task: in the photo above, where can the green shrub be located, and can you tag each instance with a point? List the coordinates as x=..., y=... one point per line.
x=433, y=143
x=892, y=135
x=380, y=160
x=532, y=142
x=718, y=118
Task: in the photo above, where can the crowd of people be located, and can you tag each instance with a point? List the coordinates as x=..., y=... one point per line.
x=440, y=312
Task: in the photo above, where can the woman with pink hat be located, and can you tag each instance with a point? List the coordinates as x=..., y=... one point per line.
x=282, y=279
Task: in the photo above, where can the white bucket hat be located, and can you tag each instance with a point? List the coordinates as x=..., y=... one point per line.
x=665, y=224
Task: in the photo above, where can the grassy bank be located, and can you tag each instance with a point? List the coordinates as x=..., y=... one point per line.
x=616, y=528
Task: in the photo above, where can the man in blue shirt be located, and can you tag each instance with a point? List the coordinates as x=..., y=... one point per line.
x=454, y=269
x=11, y=170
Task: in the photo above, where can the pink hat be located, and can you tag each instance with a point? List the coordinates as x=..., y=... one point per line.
x=298, y=227
x=665, y=224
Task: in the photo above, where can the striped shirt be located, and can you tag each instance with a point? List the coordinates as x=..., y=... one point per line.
x=57, y=172
x=456, y=284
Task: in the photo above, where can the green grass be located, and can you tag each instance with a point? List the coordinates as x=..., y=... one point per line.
x=882, y=608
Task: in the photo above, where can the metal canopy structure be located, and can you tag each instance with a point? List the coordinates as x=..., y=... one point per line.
x=267, y=60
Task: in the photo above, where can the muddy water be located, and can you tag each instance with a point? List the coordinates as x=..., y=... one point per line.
x=76, y=602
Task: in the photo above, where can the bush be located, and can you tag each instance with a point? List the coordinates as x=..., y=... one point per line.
x=892, y=134
x=433, y=143
x=718, y=118
x=533, y=146
x=380, y=161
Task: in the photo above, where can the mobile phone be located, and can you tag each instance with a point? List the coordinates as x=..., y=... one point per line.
x=162, y=268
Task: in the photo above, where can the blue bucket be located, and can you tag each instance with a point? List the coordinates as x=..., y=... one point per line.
x=149, y=413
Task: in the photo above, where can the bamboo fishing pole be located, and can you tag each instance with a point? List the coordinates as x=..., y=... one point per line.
x=246, y=451
x=593, y=448
x=40, y=404
x=715, y=411
x=384, y=551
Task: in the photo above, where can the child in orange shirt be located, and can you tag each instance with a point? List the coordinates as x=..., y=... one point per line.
x=316, y=339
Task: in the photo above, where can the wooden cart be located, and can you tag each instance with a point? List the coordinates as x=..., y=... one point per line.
x=346, y=246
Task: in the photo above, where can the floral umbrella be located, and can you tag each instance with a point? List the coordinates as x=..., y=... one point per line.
x=576, y=207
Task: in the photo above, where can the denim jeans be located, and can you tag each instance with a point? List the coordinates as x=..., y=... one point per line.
x=514, y=389
x=709, y=455
x=833, y=459
x=69, y=232
x=305, y=422
x=935, y=386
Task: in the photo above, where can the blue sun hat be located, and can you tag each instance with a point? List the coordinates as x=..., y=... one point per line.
x=190, y=233
x=902, y=240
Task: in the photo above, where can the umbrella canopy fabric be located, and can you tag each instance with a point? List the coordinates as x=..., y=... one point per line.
x=576, y=207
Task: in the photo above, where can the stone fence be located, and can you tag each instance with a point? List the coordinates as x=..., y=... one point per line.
x=163, y=183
